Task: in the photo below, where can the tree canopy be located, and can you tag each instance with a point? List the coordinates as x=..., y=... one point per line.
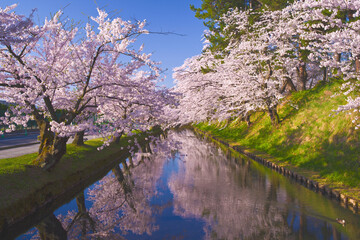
x=77, y=79
x=282, y=51
x=211, y=11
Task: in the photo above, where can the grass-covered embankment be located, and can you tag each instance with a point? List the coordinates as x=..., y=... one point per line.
x=308, y=140
x=25, y=187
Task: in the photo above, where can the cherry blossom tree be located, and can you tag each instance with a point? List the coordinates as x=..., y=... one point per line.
x=199, y=93
x=247, y=79
x=281, y=51
x=338, y=48
x=141, y=106
x=62, y=76
x=15, y=28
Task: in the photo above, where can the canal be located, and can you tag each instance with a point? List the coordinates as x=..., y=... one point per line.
x=185, y=187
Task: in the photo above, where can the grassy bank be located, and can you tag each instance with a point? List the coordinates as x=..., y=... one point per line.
x=308, y=140
x=24, y=187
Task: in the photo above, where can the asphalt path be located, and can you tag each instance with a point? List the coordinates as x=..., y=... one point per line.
x=19, y=145
x=18, y=151
x=18, y=140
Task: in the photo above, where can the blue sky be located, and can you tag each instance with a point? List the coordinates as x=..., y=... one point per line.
x=161, y=15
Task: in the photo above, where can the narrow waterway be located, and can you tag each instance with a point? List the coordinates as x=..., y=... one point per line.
x=188, y=188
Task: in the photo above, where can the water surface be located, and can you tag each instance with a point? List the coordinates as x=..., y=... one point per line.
x=188, y=188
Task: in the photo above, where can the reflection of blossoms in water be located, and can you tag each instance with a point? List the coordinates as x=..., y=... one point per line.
x=121, y=200
x=230, y=198
x=204, y=188
x=112, y=210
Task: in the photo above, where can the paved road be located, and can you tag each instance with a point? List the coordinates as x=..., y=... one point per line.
x=18, y=151
x=30, y=140
x=18, y=139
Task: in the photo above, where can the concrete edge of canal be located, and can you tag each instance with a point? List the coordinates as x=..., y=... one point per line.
x=342, y=198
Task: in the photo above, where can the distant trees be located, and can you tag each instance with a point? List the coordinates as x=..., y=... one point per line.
x=269, y=53
x=71, y=80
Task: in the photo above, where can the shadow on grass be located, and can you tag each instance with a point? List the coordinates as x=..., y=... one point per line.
x=337, y=159
x=299, y=100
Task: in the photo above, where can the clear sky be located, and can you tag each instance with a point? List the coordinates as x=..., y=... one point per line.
x=161, y=15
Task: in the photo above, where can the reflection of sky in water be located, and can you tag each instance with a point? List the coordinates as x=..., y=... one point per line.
x=196, y=191
x=171, y=226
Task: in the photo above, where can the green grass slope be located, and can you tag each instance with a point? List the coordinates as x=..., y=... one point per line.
x=308, y=140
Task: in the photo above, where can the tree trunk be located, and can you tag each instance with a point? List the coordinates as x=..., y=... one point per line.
x=125, y=186
x=46, y=137
x=80, y=202
x=247, y=119
x=126, y=167
x=82, y=216
x=121, y=179
x=273, y=115
x=51, y=229
x=337, y=57
x=148, y=147
x=302, y=74
x=357, y=63
x=117, y=139
x=311, y=83
x=288, y=83
x=325, y=75
x=301, y=69
x=131, y=162
x=52, y=147
x=79, y=138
